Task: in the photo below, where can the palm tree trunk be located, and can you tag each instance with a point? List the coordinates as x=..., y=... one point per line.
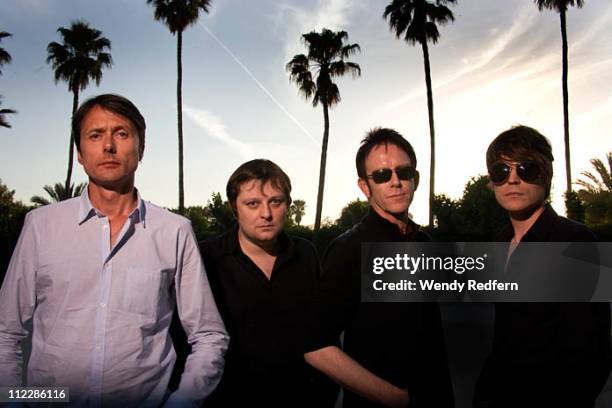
x=568, y=169
x=317, y=225
x=432, y=134
x=75, y=104
x=179, y=104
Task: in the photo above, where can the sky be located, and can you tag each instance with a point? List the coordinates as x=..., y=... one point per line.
x=497, y=65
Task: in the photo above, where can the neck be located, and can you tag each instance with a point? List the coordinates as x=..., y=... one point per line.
x=111, y=202
x=523, y=221
x=254, y=248
x=400, y=220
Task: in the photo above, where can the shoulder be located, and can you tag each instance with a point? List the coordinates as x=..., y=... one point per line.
x=567, y=230
x=303, y=246
x=163, y=217
x=214, y=245
x=67, y=210
x=347, y=242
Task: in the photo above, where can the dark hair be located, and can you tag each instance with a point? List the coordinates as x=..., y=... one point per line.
x=379, y=136
x=258, y=169
x=523, y=143
x=113, y=103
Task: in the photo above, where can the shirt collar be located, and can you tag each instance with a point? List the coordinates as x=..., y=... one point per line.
x=538, y=232
x=383, y=228
x=87, y=210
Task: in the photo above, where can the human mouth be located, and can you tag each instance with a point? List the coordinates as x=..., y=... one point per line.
x=109, y=163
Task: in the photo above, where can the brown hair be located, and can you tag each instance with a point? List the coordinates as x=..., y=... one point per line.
x=113, y=103
x=523, y=143
x=381, y=136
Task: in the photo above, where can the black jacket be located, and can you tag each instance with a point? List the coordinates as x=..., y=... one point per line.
x=547, y=354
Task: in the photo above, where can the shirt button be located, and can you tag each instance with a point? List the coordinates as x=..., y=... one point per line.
x=102, y=304
x=98, y=347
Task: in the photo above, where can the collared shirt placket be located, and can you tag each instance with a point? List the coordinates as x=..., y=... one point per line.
x=97, y=369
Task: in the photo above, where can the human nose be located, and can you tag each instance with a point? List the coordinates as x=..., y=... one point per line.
x=109, y=144
x=395, y=180
x=513, y=177
x=266, y=212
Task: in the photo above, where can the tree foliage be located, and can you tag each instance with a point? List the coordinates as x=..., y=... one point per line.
x=297, y=211
x=5, y=57
x=416, y=21
x=314, y=76
x=596, y=192
x=476, y=216
x=57, y=193
x=5, y=111
x=12, y=215
x=177, y=15
x=78, y=59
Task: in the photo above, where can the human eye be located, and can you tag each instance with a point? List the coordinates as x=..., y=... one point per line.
x=276, y=202
x=94, y=136
x=123, y=134
x=251, y=204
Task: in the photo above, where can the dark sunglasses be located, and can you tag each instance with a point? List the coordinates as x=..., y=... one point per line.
x=383, y=175
x=528, y=171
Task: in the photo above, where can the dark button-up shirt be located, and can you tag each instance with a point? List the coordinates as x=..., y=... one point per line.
x=400, y=342
x=540, y=349
x=269, y=322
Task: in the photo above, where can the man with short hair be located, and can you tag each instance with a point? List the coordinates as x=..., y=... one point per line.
x=543, y=354
x=401, y=343
x=95, y=280
x=265, y=283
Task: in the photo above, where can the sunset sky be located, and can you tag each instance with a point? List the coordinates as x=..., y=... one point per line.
x=497, y=65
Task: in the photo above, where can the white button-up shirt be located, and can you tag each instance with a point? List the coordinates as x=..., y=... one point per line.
x=99, y=315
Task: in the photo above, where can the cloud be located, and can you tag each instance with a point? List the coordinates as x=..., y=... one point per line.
x=521, y=24
x=214, y=127
x=332, y=14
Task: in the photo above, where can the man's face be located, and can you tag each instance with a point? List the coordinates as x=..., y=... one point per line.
x=109, y=148
x=516, y=195
x=394, y=196
x=260, y=209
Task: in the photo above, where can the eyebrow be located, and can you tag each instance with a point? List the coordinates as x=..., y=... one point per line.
x=102, y=129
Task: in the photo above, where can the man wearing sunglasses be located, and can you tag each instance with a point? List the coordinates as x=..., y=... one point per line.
x=401, y=343
x=543, y=354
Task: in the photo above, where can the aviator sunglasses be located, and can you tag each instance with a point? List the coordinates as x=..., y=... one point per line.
x=528, y=171
x=383, y=175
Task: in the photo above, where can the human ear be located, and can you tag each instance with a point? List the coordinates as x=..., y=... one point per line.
x=364, y=187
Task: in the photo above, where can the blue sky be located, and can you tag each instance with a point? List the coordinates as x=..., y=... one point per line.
x=497, y=65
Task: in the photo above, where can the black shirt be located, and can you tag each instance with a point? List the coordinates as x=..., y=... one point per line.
x=268, y=321
x=402, y=343
x=547, y=354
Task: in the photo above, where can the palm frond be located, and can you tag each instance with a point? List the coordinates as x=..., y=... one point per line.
x=177, y=15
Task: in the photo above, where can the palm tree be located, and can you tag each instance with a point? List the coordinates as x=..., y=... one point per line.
x=78, y=59
x=325, y=61
x=416, y=20
x=3, y=121
x=297, y=210
x=561, y=7
x=178, y=15
x=58, y=193
x=596, y=192
x=5, y=57
x=595, y=184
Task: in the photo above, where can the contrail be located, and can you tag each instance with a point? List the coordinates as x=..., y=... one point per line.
x=260, y=85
